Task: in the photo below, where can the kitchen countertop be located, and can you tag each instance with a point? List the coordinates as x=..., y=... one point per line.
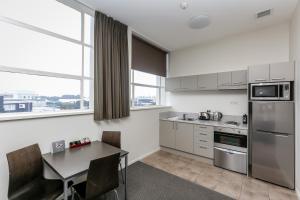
x=208, y=123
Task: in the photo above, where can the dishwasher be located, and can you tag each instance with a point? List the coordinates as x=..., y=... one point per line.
x=230, y=149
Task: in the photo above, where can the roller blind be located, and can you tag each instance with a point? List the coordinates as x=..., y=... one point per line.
x=148, y=58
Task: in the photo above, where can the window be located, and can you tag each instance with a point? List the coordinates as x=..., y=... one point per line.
x=146, y=89
x=46, y=56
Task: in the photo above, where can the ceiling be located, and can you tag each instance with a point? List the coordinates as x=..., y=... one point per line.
x=164, y=22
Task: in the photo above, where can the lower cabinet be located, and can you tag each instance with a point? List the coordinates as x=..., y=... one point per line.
x=190, y=138
x=204, y=141
x=184, y=137
x=167, y=134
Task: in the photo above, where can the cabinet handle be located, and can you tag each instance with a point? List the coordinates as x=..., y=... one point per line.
x=201, y=147
x=203, y=134
x=203, y=141
x=237, y=83
x=202, y=87
x=225, y=84
x=202, y=127
x=261, y=79
x=277, y=79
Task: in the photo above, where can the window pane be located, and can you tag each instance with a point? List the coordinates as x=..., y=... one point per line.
x=145, y=78
x=145, y=96
x=88, y=61
x=23, y=48
x=87, y=91
x=88, y=29
x=47, y=14
x=29, y=93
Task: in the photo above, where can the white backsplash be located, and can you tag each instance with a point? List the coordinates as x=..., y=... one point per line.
x=229, y=102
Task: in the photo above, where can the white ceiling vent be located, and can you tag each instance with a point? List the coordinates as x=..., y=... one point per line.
x=263, y=13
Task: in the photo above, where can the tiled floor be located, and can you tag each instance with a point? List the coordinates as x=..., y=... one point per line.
x=229, y=183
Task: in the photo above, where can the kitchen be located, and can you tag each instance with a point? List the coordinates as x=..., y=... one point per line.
x=196, y=129
x=224, y=139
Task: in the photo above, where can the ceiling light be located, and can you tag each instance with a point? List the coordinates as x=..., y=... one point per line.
x=184, y=5
x=199, y=22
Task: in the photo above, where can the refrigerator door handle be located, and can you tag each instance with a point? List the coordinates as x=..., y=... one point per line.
x=273, y=133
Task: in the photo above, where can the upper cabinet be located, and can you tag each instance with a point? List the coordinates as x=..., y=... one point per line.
x=239, y=78
x=181, y=83
x=232, y=80
x=259, y=73
x=283, y=71
x=208, y=82
x=172, y=84
x=223, y=80
x=188, y=83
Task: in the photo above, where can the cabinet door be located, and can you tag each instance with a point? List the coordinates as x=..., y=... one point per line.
x=282, y=71
x=239, y=79
x=167, y=134
x=208, y=82
x=172, y=84
x=184, y=137
x=224, y=80
x=188, y=83
x=259, y=73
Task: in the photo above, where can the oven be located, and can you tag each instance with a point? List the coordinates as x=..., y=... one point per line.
x=280, y=91
x=230, y=150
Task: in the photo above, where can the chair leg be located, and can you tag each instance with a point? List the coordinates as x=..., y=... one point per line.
x=116, y=194
x=122, y=173
x=72, y=192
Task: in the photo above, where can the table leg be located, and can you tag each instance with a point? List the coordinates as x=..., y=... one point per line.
x=66, y=189
x=125, y=176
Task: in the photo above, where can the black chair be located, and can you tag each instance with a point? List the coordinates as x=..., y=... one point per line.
x=113, y=138
x=26, y=180
x=102, y=178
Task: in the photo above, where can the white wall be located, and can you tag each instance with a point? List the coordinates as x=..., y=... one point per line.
x=235, y=52
x=295, y=55
x=232, y=53
x=140, y=135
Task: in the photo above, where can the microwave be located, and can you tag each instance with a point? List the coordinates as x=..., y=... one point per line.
x=281, y=91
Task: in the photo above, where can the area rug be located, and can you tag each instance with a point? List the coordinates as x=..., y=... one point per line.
x=148, y=183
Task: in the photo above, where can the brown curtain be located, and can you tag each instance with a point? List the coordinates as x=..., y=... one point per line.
x=111, y=79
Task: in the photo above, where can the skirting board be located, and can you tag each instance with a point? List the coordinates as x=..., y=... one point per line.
x=203, y=159
x=142, y=157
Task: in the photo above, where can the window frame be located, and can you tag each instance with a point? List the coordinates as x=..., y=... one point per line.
x=82, y=78
x=160, y=88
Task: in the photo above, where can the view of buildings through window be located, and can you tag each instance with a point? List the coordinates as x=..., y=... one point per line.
x=146, y=89
x=46, y=58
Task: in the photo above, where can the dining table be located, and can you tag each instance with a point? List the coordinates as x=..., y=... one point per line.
x=74, y=162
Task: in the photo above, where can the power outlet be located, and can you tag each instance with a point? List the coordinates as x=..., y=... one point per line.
x=234, y=102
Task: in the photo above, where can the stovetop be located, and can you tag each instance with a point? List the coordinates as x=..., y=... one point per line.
x=233, y=123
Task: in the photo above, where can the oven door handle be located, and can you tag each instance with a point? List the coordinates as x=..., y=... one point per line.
x=228, y=151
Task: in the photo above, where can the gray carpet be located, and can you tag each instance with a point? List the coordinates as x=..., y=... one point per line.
x=148, y=183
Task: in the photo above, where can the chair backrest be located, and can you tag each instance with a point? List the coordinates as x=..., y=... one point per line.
x=25, y=165
x=102, y=176
x=112, y=137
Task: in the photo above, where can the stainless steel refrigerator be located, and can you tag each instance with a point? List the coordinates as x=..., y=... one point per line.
x=272, y=129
